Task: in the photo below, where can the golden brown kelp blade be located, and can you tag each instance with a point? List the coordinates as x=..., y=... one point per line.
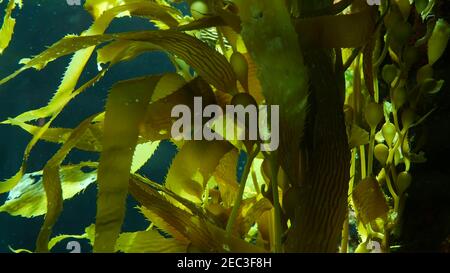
x=158, y=119
x=125, y=109
x=149, y=241
x=192, y=167
x=29, y=199
x=52, y=185
x=225, y=176
x=90, y=141
x=7, y=29
x=369, y=200
x=211, y=65
x=202, y=234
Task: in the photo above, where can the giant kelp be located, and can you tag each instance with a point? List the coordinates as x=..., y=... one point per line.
x=346, y=97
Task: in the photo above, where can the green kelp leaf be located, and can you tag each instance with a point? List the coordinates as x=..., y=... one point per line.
x=7, y=29
x=11, y=182
x=201, y=233
x=438, y=41
x=57, y=239
x=209, y=64
x=54, y=107
x=254, y=85
x=161, y=224
x=76, y=65
x=257, y=178
x=193, y=166
x=168, y=84
x=62, y=96
x=21, y=250
x=160, y=218
x=163, y=16
x=28, y=198
x=88, y=235
x=225, y=176
x=90, y=141
x=98, y=7
x=187, y=205
x=201, y=23
x=369, y=201
x=143, y=8
x=158, y=119
x=52, y=184
x=142, y=153
x=358, y=136
x=108, y=11
x=332, y=31
x=248, y=218
x=121, y=50
x=125, y=109
x=149, y=241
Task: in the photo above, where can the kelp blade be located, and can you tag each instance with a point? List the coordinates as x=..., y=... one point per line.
x=7, y=29
x=125, y=110
x=53, y=187
x=28, y=198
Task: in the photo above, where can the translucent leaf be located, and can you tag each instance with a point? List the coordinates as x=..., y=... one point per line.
x=90, y=141
x=248, y=217
x=253, y=81
x=28, y=198
x=201, y=233
x=142, y=154
x=438, y=41
x=158, y=118
x=52, y=184
x=209, y=64
x=62, y=96
x=125, y=108
x=22, y=250
x=121, y=50
x=147, y=9
x=108, y=11
x=149, y=241
x=7, y=29
x=358, y=137
x=226, y=177
x=193, y=166
x=256, y=179
x=88, y=234
x=369, y=201
x=160, y=223
x=55, y=240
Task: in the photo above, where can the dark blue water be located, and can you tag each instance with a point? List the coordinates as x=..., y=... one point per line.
x=39, y=24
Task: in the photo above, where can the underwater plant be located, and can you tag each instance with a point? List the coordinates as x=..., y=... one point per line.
x=350, y=79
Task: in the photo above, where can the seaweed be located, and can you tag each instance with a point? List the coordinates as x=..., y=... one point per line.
x=349, y=79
